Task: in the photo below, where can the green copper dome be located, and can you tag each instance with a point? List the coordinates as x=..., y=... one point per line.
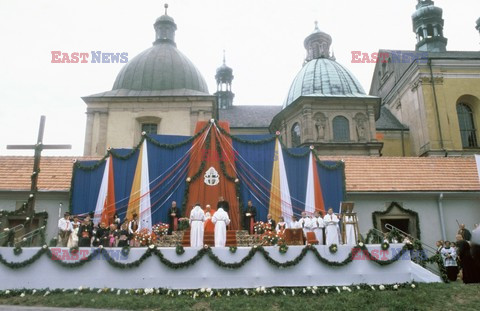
x=324, y=77
x=162, y=67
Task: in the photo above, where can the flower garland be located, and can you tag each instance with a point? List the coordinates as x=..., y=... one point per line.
x=144, y=237
x=160, y=229
x=385, y=246
x=179, y=249
x=375, y=216
x=333, y=248
x=211, y=292
x=183, y=223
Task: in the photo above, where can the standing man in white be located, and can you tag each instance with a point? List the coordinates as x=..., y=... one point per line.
x=221, y=221
x=350, y=234
x=197, y=217
x=331, y=228
x=317, y=226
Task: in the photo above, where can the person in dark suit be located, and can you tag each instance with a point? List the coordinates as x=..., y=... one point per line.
x=271, y=222
x=173, y=214
x=249, y=217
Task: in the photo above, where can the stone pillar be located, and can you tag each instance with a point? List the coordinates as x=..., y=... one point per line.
x=87, y=147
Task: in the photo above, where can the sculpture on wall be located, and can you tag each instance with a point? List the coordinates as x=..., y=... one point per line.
x=361, y=126
x=320, y=126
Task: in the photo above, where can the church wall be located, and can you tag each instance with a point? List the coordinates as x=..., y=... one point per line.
x=49, y=202
x=392, y=143
x=118, y=124
x=464, y=206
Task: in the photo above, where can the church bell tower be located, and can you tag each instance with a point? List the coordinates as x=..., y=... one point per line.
x=428, y=26
x=224, y=94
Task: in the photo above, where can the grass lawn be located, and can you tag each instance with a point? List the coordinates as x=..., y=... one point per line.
x=453, y=296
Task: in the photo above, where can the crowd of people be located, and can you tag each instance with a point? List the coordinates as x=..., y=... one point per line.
x=462, y=257
x=73, y=232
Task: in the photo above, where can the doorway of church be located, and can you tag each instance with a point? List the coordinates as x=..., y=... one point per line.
x=400, y=223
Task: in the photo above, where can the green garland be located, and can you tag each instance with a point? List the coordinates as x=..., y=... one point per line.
x=200, y=254
x=385, y=246
x=125, y=251
x=392, y=205
x=283, y=248
x=179, y=249
x=232, y=249
x=245, y=141
x=17, y=250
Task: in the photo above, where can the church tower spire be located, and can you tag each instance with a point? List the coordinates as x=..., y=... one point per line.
x=165, y=28
x=428, y=26
x=224, y=78
x=317, y=44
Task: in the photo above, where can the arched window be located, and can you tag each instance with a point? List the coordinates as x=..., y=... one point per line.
x=150, y=128
x=296, y=141
x=341, y=129
x=467, y=126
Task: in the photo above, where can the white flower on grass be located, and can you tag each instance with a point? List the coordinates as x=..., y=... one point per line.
x=119, y=292
x=381, y=287
x=313, y=291
x=126, y=292
x=326, y=290
x=46, y=293
x=75, y=293
x=211, y=294
x=169, y=291
x=22, y=295
x=195, y=295
x=284, y=294
x=315, y=288
x=179, y=293
x=273, y=290
x=304, y=290
x=228, y=293
x=99, y=291
x=262, y=288
x=257, y=289
x=413, y=285
x=338, y=289
x=246, y=292
x=209, y=290
x=202, y=290
x=293, y=292
x=34, y=291
x=64, y=290
x=80, y=288
x=373, y=288
x=358, y=287
x=157, y=291
x=395, y=287
x=308, y=288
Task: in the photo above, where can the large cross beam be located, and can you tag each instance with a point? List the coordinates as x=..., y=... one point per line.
x=38, y=147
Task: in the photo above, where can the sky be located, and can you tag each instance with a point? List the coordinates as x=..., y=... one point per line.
x=263, y=40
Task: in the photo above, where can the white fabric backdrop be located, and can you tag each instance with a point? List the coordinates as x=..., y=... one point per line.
x=205, y=274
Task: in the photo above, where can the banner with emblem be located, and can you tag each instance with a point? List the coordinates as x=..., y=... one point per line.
x=207, y=181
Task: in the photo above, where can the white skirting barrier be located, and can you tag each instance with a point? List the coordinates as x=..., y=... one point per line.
x=205, y=273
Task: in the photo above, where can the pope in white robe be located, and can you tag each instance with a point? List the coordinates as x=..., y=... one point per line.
x=350, y=234
x=331, y=228
x=317, y=225
x=221, y=221
x=197, y=217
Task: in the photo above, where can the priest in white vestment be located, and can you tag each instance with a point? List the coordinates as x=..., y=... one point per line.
x=317, y=225
x=221, y=221
x=304, y=223
x=331, y=228
x=350, y=234
x=197, y=217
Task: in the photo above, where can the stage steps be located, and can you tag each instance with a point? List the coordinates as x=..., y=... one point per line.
x=209, y=238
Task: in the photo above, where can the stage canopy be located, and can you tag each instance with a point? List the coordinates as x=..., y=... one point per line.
x=198, y=169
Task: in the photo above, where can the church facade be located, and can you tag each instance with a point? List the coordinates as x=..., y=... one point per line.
x=422, y=104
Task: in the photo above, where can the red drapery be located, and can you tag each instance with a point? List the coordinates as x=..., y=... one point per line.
x=199, y=190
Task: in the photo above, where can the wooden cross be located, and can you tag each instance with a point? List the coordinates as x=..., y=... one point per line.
x=36, y=163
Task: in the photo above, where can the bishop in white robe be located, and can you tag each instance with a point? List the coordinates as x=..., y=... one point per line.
x=197, y=217
x=221, y=221
x=331, y=228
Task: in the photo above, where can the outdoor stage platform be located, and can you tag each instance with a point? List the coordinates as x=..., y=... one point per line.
x=216, y=268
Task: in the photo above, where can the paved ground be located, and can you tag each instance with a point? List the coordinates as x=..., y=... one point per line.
x=23, y=308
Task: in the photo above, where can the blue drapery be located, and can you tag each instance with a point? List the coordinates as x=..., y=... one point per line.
x=85, y=187
x=254, y=162
x=260, y=159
